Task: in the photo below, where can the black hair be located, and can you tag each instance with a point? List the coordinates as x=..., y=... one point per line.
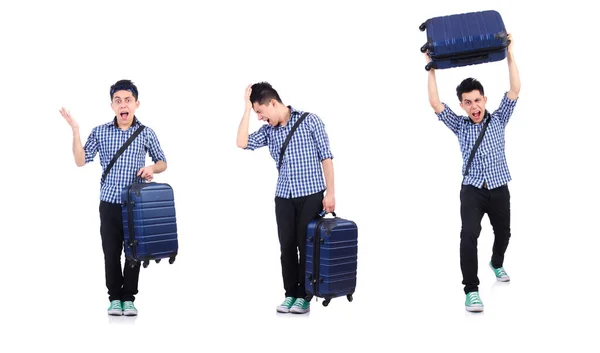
x=263, y=92
x=124, y=85
x=468, y=85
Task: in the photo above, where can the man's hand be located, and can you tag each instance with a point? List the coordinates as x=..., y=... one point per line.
x=247, y=98
x=510, y=44
x=67, y=115
x=146, y=173
x=329, y=202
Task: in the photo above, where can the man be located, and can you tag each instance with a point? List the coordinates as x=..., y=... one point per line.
x=484, y=187
x=300, y=193
x=106, y=139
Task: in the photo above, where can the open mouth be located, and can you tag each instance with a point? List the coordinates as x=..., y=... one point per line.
x=124, y=115
x=477, y=115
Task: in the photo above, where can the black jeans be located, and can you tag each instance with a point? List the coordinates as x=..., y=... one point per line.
x=122, y=283
x=474, y=203
x=293, y=216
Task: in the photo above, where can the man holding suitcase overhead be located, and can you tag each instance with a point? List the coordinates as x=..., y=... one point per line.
x=108, y=139
x=299, y=145
x=485, y=184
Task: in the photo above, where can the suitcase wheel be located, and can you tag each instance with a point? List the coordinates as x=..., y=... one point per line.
x=350, y=298
x=424, y=48
x=422, y=26
x=308, y=297
x=171, y=260
x=146, y=263
x=326, y=302
x=157, y=261
x=428, y=66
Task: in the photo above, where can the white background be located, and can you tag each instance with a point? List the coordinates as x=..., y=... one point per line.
x=397, y=173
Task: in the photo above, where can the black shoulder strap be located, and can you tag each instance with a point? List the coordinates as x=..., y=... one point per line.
x=288, y=137
x=121, y=150
x=477, y=143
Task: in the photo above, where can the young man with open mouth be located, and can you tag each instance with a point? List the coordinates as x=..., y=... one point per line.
x=300, y=193
x=485, y=184
x=107, y=139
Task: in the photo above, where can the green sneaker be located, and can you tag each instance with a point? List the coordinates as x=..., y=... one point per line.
x=129, y=309
x=500, y=273
x=115, y=308
x=286, y=305
x=300, y=306
x=473, y=302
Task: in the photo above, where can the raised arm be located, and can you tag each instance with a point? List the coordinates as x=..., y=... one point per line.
x=78, y=152
x=513, y=72
x=242, y=136
x=434, y=98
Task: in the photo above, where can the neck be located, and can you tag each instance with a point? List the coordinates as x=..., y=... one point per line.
x=286, y=115
x=124, y=126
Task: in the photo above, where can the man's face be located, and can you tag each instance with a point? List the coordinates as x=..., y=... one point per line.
x=266, y=112
x=474, y=105
x=124, y=106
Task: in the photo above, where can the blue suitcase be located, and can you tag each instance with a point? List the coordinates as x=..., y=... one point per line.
x=465, y=39
x=149, y=223
x=331, y=258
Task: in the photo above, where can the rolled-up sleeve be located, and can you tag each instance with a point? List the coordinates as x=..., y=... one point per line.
x=317, y=129
x=257, y=139
x=506, y=108
x=450, y=119
x=91, y=147
x=153, y=146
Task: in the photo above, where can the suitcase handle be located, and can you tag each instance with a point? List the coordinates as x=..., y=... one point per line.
x=471, y=60
x=323, y=213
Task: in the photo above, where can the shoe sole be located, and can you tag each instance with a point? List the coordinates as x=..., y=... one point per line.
x=129, y=313
x=474, y=309
x=115, y=313
x=298, y=311
x=283, y=310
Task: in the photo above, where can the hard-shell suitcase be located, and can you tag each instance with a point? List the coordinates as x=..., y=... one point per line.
x=465, y=39
x=149, y=222
x=331, y=258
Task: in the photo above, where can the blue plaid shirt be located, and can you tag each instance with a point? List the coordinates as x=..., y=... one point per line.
x=107, y=139
x=301, y=173
x=489, y=163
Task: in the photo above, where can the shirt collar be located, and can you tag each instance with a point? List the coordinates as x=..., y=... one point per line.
x=133, y=123
x=293, y=113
